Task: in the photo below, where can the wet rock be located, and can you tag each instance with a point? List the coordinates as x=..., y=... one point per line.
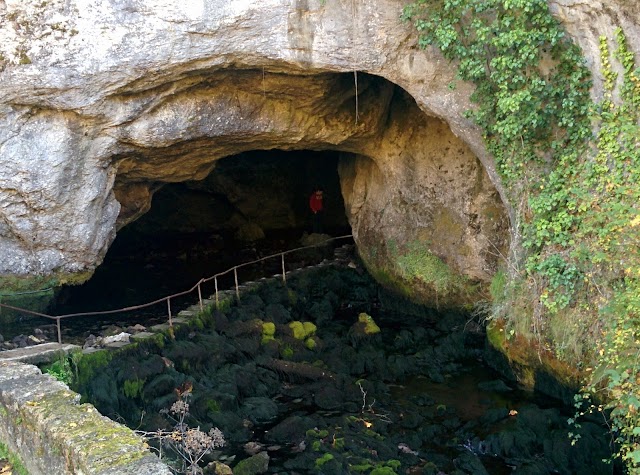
x=399, y=366
x=471, y=464
x=328, y=397
x=111, y=330
x=259, y=410
x=116, y=341
x=32, y=340
x=290, y=430
x=277, y=313
x=410, y=419
x=244, y=328
x=321, y=312
x=137, y=328
x=20, y=341
x=250, y=232
x=160, y=385
x=253, y=381
x=91, y=341
x=253, y=447
x=493, y=415
x=217, y=468
x=234, y=427
x=497, y=386
x=254, y=465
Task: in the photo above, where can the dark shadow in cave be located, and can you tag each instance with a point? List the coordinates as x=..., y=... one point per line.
x=251, y=205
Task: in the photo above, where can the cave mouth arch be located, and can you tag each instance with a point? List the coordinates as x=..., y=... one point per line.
x=250, y=205
x=413, y=192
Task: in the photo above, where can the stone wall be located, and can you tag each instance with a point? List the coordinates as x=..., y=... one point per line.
x=42, y=421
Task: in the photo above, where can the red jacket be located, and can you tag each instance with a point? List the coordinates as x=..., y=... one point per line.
x=315, y=202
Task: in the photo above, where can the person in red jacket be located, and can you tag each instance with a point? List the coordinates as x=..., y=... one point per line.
x=315, y=203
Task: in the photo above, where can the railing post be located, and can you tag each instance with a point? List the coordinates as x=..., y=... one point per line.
x=284, y=272
x=235, y=276
x=59, y=331
x=215, y=281
x=169, y=309
x=200, y=296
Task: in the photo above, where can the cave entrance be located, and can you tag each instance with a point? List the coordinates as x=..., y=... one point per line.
x=229, y=159
x=246, y=198
x=250, y=205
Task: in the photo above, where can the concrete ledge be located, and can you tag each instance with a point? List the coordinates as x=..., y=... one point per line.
x=42, y=421
x=38, y=354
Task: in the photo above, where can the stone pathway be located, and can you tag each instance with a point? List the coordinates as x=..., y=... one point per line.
x=49, y=352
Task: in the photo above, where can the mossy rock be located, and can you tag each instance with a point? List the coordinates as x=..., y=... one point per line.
x=268, y=332
x=302, y=330
x=370, y=327
x=310, y=343
x=268, y=328
x=254, y=465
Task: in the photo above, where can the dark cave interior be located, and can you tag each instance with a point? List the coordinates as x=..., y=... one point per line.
x=251, y=205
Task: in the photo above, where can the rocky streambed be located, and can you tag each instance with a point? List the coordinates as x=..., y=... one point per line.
x=331, y=374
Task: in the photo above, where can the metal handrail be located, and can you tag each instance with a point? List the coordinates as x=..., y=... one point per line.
x=168, y=298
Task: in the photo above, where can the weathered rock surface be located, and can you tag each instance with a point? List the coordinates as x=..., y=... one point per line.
x=43, y=422
x=585, y=22
x=102, y=102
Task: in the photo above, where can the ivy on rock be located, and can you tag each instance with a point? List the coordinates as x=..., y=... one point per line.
x=571, y=169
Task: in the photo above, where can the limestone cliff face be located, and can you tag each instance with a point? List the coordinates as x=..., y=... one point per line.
x=103, y=100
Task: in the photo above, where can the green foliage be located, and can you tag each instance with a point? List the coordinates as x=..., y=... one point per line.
x=17, y=467
x=498, y=282
x=523, y=109
x=212, y=406
x=321, y=434
x=132, y=388
x=61, y=370
x=383, y=471
x=609, y=254
x=286, y=352
x=88, y=364
x=576, y=195
x=417, y=262
x=324, y=459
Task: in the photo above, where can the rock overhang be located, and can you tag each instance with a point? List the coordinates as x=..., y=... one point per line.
x=166, y=111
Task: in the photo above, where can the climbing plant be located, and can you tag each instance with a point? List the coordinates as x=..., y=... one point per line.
x=609, y=250
x=571, y=169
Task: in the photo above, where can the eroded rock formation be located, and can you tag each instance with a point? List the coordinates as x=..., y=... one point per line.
x=102, y=102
